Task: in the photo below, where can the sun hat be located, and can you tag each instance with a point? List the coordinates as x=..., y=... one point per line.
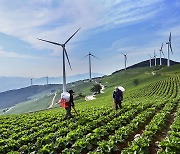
x=71, y=91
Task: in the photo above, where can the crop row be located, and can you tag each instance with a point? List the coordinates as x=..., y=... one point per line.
x=92, y=140
x=36, y=138
x=96, y=129
x=167, y=88
x=171, y=143
x=141, y=144
x=33, y=133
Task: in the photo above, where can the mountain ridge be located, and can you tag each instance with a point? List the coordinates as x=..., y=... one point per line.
x=12, y=83
x=12, y=97
x=146, y=63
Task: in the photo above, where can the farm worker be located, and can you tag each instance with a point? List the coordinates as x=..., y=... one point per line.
x=69, y=104
x=118, y=98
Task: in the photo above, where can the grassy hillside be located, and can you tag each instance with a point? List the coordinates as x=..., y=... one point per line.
x=130, y=80
x=12, y=97
x=40, y=98
x=148, y=121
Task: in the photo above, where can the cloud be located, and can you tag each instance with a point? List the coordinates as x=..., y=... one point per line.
x=174, y=29
x=30, y=19
x=6, y=54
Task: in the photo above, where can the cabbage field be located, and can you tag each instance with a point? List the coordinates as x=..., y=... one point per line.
x=149, y=122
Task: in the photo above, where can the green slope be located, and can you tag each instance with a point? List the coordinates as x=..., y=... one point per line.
x=131, y=80
x=152, y=97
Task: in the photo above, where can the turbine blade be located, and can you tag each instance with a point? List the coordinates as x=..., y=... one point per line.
x=49, y=42
x=123, y=54
x=170, y=37
x=161, y=47
x=170, y=48
x=163, y=54
x=72, y=36
x=84, y=57
x=94, y=56
x=67, y=57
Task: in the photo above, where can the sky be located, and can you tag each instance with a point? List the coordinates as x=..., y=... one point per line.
x=108, y=29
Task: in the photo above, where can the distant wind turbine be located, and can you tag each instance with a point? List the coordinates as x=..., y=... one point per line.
x=89, y=55
x=125, y=59
x=31, y=81
x=161, y=51
x=155, y=57
x=169, y=46
x=150, y=60
x=47, y=80
x=64, y=54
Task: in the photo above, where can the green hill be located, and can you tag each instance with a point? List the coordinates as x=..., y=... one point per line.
x=148, y=121
x=12, y=97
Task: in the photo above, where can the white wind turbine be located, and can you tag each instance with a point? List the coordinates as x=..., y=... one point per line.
x=89, y=55
x=125, y=59
x=31, y=81
x=155, y=57
x=169, y=46
x=161, y=51
x=47, y=80
x=64, y=54
x=150, y=60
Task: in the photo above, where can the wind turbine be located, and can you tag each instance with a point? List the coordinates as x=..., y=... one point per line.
x=47, y=80
x=64, y=54
x=155, y=57
x=125, y=59
x=31, y=81
x=89, y=55
x=150, y=60
x=161, y=51
x=169, y=46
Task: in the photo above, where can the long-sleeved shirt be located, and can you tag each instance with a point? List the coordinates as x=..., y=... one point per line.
x=71, y=101
x=118, y=95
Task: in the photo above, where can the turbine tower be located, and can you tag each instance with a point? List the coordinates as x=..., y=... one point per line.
x=161, y=51
x=89, y=55
x=125, y=59
x=169, y=46
x=64, y=54
x=31, y=81
x=47, y=80
x=155, y=58
x=150, y=60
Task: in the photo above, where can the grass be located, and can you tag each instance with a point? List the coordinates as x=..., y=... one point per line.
x=142, y=94
x=131, y=80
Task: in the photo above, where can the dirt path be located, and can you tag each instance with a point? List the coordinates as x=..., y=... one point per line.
x=8, y=109
x=91, y=97
x=103, y=87
x=52, y=103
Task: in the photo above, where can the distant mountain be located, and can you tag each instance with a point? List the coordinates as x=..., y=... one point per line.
x=146, y=64
x=10, y=83
x=12, y=97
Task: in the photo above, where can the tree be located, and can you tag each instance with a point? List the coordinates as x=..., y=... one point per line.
x=96, y=88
